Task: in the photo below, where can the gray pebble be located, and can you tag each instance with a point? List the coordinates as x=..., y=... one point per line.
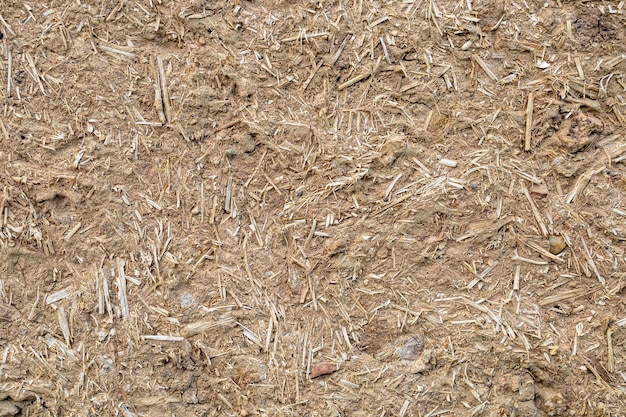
x=186, y=300
x=411, y=348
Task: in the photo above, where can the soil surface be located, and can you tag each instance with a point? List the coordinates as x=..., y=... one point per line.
x=312, y=208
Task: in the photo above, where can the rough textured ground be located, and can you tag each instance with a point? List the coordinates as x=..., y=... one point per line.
x=207, y=203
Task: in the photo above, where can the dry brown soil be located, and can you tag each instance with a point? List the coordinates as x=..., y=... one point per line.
x=206, y=203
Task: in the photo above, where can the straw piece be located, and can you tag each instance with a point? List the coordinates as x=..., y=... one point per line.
x=543, y=252
x=59, y=295
x=117, y=51
x=619, y=115
x=65, y=328
x=35, y=73
x=516, y=277
x=516, y=257
x=165, y=96
x=610, y=353
x=529, y=120
x=536, y=214
x=360, y=77
x=382, y=43
x=589, y=259
x=162, y=338
x=304, y=35
x=562, y=296
x=73, y=231
x=316, y=67
x=485, y=67
x=354, y=80
x=121, y=288
x=9, y=78
x=337, y=54
x=200, y=327
x=6, y=25
x=581, y=183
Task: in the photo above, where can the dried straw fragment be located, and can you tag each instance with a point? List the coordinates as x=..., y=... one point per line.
x=610, y=353
x=451, y=163
x=35, y=73
x=316, y=67
x=516, y=278
x=117, y=51
x=225, y=401
x=536, y=214
x=339, y=51
x=382, y=43
x=620, y=116
x=165, y=95
x=158, y=104
x=59, y=347
x=564, y=295
x=529, y=120
x=59, y=295
x=229, y=193
x=305, y=35
x=9, y=29
x=543, y=252
x=73, y=231
x=153, y=203
x=485, y=67
x=581, y=183
x=360, y=77
x=591, y=263
x=599, y=377
x=65, y=328
x=200, y=327
x=9, y=78
x=516, y=257
x=121, y=288
x=162, y=338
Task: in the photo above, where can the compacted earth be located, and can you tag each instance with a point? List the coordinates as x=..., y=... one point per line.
x=312, y=208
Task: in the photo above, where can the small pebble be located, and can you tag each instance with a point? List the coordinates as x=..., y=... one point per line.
x=186, y=300
x=557, y=245
x=411, y=348
x=322, y=368
x=102, y=335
